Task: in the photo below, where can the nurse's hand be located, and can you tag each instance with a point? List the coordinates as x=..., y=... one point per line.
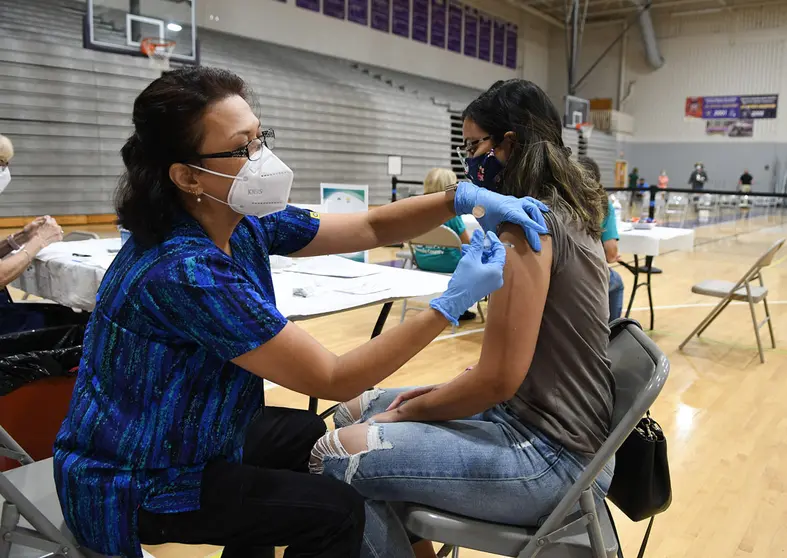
x=479, y=273
x=499, y=209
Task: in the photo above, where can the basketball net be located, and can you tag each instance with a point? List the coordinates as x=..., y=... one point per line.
x=158, y=51
x=585, y=129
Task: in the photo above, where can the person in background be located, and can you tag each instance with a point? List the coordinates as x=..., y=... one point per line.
x=609, y=239
x=698, y=177
x=663, y=180
x=633, y=179
x=642, y=184
x=437, y=258
x=16, y=254
x=745, y=182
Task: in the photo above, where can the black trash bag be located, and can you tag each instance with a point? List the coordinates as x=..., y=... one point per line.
x=29, y=356
x=45, y=339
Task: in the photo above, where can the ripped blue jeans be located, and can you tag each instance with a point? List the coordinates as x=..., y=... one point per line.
x=489, y=467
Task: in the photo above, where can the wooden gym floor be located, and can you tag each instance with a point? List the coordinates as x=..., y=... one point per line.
x=722, y=411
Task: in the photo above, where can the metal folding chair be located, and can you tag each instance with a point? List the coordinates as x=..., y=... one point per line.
x=640, y=370
x=742, y=291
x=31, y=522
x=441, y=237
x=676, y=205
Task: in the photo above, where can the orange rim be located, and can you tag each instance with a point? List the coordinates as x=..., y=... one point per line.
x=149, y=46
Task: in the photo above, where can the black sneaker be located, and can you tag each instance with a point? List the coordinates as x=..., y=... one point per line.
x=467, y=316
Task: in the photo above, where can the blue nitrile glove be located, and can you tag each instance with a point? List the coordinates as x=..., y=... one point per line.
x=499, y=209
x=479, y=273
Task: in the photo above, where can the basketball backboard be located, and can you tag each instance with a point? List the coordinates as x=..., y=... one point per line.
x=577, y=111
x=120, y=26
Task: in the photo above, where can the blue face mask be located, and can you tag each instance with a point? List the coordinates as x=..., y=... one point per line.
x=484, y=171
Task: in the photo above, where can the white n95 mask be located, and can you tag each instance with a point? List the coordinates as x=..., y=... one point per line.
x=5, y=178
x=260, y=188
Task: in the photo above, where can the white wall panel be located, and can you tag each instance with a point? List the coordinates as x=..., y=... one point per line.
x=729, y=53
x=286, y=24
x=701, y=66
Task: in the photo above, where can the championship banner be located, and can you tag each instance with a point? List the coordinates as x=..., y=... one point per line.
x=732, y=107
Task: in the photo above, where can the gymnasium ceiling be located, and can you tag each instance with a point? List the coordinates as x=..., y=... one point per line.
x=606, y=10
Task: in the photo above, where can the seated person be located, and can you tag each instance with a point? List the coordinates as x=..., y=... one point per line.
x=16, y=254
x=503, y=441
x=609, y=239
x=438, y=258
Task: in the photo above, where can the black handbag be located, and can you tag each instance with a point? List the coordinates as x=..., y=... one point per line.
x=641, y=486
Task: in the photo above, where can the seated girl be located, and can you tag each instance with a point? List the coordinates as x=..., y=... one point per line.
x=503, y=441
x=440, y=259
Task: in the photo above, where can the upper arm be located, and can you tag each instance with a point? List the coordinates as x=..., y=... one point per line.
x=611, y=250
x=515, y=312
x=465, y=237
x=340, y=233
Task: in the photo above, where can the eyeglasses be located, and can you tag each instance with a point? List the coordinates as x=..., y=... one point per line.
x=252, y=150
x=467, y=150
x=470, y=146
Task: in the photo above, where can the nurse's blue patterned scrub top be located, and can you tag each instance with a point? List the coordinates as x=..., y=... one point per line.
x=157, y=397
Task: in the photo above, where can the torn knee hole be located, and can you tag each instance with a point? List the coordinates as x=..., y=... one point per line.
x=330, y=447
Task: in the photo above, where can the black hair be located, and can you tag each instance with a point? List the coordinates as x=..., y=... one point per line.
x=167, y=129
x=539, y=163
x=590, y=165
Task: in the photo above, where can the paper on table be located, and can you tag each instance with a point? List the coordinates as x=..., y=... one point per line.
x=331, y=266
x=363, y=288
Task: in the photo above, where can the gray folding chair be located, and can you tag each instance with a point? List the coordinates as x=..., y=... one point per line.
x=640, y=370
x=31, y=522
x=742, y=291
x=441, y=237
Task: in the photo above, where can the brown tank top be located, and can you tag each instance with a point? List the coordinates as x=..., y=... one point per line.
x=568, y=390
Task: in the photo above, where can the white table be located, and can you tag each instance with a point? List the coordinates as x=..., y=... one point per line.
x=655, y=241
x=70, y=273
x=650, y=243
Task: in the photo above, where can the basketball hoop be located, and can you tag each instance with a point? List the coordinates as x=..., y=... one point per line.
x=586, y=129
x=158, y=52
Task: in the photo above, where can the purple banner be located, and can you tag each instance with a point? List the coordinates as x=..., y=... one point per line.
x=381, y=15
x=358, y=11
x=438, y=23
x=401, y=18
x=471, y=32
x=421, y=21
x=334, y=8
x=313, y=5
x=512, y=36
x=499, y=53
x=454, y=27
x=485, y=38
x=731, y=107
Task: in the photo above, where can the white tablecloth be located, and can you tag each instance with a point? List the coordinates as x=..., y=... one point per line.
x=655, y=241
x=70, y=273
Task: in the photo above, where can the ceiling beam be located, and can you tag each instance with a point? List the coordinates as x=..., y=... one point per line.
x=537, y=13
x=680, y=3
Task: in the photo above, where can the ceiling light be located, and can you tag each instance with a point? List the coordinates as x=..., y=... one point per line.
x=174, y=27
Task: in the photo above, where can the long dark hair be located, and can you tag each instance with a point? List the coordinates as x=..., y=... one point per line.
x=539, y=163
x=166, y=118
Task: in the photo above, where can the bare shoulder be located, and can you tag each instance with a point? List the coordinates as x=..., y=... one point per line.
x=522, y=255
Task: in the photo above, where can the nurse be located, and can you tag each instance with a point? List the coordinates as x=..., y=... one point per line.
x=168, y=438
